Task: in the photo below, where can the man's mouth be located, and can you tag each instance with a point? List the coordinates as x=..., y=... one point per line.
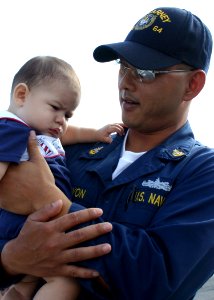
x=128, y=103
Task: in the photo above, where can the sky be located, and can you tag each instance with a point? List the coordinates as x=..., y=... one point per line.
x=71, y=30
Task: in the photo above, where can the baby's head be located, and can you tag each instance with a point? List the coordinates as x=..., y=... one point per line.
x=44, y=94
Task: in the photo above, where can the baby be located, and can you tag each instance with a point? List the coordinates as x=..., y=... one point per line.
x=45, y=93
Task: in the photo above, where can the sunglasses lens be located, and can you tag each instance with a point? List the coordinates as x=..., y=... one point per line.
x=146, y=75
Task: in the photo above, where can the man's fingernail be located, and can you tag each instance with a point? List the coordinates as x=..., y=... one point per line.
x=56, y=203
x=95, y=274
x=106, y=248
x=107, y=226
x=33, y=134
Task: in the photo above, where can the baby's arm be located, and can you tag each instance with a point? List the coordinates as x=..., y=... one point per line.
x=56, y=288
x=75, y=134
x=3, y=168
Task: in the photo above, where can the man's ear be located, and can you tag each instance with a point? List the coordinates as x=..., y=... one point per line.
x=195, y=84
x=20, y=93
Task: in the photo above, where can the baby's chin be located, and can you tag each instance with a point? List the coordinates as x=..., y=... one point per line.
x=54, y=133
x=56, y=136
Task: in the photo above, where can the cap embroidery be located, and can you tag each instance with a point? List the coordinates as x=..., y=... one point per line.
x=163, y=16
x=145, y=22
x=150, y=18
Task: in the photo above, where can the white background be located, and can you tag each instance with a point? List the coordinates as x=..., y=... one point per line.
x=71, y=30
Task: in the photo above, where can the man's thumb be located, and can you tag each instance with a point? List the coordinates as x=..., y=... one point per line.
x=33, y=148
x=47, y=212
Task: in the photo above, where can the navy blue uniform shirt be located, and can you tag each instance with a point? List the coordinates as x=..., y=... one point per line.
x=162, y=211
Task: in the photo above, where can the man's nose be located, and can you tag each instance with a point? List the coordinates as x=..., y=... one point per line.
x=126, y=80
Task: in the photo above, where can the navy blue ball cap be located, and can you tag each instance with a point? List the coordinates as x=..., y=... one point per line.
x=164, y=37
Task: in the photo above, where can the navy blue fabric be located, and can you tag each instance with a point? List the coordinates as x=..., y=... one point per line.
x=164, y=37
x=161, y=208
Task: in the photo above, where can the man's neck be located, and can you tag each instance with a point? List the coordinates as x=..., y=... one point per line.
x=140, y=142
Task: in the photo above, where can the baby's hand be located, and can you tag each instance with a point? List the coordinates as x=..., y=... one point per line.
x=103, y=133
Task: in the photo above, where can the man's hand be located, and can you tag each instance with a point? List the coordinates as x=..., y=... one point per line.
x=30, y=185
x=44, y=249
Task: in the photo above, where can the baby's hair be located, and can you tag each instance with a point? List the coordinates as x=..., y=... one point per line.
x=43, y=68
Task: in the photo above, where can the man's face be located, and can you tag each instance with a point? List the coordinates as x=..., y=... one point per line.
x=149, y=106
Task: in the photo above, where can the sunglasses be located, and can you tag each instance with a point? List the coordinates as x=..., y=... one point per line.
x=145, y=75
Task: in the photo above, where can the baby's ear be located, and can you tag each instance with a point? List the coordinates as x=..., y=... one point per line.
x=20, y=92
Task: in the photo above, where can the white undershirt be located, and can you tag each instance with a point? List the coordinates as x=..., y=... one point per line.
x=126, y=159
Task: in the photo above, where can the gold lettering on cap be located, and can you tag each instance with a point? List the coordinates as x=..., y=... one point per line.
x=163, y=16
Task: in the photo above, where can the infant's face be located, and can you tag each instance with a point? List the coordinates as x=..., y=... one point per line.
x=48, y=107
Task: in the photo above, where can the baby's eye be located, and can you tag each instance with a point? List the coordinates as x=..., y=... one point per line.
x=55, y=107
x=68, y=116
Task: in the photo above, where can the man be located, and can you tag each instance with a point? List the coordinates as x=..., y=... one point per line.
x=156, y=183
